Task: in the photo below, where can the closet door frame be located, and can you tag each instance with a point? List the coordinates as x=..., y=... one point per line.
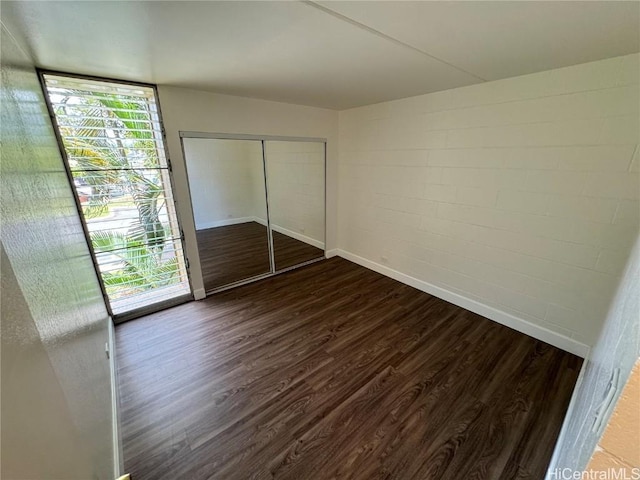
x=262, y=139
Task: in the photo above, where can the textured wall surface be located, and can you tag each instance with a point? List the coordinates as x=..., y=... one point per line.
x=193, y=110
x=520, y=194
x=56, y=388
x=618, y=346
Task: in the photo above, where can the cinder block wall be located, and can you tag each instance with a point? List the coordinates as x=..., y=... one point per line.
x=520, y=194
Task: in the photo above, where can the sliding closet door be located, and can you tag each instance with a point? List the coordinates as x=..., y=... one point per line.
x=296, y=192
x=226, y=180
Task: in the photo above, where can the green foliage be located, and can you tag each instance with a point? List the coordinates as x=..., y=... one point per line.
x=110, y=142
x=142, y=269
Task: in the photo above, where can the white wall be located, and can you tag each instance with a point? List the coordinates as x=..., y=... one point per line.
x=618, y=346
x=295, y=178
x=193, y=110
x=56, y=385
x=226, y=180
x=520, y=195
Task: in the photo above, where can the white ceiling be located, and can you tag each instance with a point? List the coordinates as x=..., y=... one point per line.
x=330, y=54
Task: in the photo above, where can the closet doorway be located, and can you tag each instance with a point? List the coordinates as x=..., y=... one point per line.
x=258, y=204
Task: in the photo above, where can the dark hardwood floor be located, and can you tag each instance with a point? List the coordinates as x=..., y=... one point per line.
x=236, y=252
x=333, y=371
x=289, y=251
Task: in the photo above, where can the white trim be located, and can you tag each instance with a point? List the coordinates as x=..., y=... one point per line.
x=519, y=324
x=245, y=136
x=118, y=457
x=199, y=294
x=240, y=283
x=224, y=223
x=334, y=252
x=261, y=221
x=298, y=236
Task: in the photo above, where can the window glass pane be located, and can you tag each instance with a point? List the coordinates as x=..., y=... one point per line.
x=112, y=138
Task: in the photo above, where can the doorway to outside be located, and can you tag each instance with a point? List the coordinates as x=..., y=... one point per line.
x=111, y=137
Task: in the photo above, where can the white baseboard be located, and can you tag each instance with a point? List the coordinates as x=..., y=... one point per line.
x=331, y=253
x=298, y=236
x=118, y=457
x=199, y=294
x=519, y=324
x=224, y=223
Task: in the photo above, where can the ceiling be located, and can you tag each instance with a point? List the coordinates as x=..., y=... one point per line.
x=330, y=54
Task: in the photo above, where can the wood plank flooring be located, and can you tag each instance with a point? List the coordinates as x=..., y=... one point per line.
x=236, y=252
x=332, y=371
x=289, y=251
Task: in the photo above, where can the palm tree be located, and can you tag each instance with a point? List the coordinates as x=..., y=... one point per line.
x=142, y=268
x=110, y=142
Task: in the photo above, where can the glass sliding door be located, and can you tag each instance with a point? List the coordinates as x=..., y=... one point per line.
x=112, y=141
x=296, y=190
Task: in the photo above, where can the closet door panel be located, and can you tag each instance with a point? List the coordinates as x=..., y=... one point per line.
x=296, y=194
x=226, y=181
